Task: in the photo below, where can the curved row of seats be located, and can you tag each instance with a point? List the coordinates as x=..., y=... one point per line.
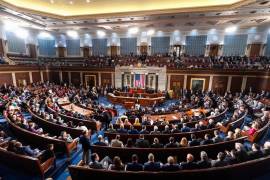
x=246, y=170
x=35, y=165
x=39, y=140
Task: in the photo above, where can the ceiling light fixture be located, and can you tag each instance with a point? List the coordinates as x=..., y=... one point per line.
x=231, y=29
x=133, y=30
x=72, y=34
x=101, y=33
x=150, y=32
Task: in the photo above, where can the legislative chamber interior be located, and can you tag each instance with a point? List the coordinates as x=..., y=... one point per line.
x=98, y=89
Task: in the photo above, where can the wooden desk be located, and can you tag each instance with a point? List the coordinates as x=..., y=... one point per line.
x=68, y=106
x=142, y=101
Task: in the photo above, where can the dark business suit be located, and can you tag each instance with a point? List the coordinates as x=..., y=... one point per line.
x=152, y=166
x=86, y=147
x=170, y=167
x=96, y=165
x=189, y=165
x=142, y=143
x=134, y=166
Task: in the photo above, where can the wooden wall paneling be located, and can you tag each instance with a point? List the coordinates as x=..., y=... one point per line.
x=213, y=50
x=236, y=84
x=219, y=84
x=257, y=84
x=54, y=77
x=45, y=76
x=6, y=78
x=36, y=77
x=86, y=52
x=75, y=78
x=255, y=50
x=65, y=77
x=22, y=78
x=32, y=50
x=106, y=79
x=113, y=50
x=143, y=49
x=61, y=51
x=2, y=51
x=176, y=84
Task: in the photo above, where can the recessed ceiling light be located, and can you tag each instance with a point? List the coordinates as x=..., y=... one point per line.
x=70, y=2
x=88, y=1
x=51, y=1
x=231, y=29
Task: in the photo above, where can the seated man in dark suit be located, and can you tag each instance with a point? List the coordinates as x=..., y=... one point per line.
x=134, y=165
x=122, y=130
x=145, y=122
x=241, y=153
x=133, y=130
x=166, y=130
x=211, y=124
x=175, y=129
x=144, y=130
x=202, y=126
x=170, y=165
x=196, y=128
x=141, y=142
x=204, y=162
x=255, y=153
x=95, y=164
x=156, y=144
x=217, y=138
x=207, y=140
x=25, y=150
x=220, y=160
x=185, y=128
x=189, y=164
x=194, y=141
x=151, y=165
x=171, y=143
x=100, y=141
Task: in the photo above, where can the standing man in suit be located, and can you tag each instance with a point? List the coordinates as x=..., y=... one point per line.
x=85, y=142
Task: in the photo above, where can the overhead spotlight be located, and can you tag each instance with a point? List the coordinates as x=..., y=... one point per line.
x=133, y=30
x=88, y=1
x=231, y=29
x=72, y=34
x=150, y=32
x=70, y=2
x=101, y=33
x=51, y=1
x=44, y=35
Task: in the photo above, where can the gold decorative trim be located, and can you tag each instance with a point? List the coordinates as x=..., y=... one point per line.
x=133, y=13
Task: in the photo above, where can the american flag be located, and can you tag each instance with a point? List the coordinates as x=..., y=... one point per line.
x=139, y=80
